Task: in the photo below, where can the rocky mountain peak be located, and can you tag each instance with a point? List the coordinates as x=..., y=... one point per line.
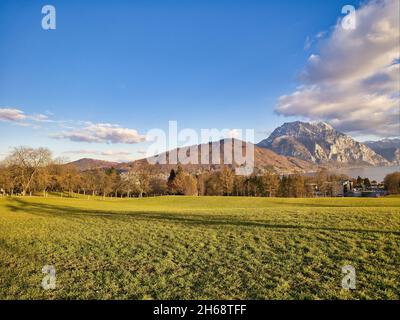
x=320, y=143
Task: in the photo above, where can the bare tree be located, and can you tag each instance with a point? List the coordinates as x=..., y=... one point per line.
x=70, y=179
x=26, y=162
x=138, y=180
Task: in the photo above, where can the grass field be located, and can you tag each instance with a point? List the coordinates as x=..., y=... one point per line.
x=199, y=248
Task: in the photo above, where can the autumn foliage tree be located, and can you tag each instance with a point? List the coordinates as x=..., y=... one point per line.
x=33, y=171
x=392, y=183
x=182, y=183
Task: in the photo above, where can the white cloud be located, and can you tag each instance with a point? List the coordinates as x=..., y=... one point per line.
x=20, y=118
x=102, y=133
x=308, y=43
x=311, y=40
x=353, y=82
x=82, y=152
x=115, y=153
x=11, y=114
x=108, y=153
x=39, y=118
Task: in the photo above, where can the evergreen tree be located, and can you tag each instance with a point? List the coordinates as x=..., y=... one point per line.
x=170, y=182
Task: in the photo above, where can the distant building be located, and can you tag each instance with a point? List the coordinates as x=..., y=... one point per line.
x=353, y=193
x=375, y=190
x=373, y=194
x=347, y=186
x=313, y=188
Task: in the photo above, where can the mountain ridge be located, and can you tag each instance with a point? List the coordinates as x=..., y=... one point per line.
x=85, y=164
x=264, y=159
x=293, y=147
x=387, y=148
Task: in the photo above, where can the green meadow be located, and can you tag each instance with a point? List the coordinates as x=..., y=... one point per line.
x=199, y=248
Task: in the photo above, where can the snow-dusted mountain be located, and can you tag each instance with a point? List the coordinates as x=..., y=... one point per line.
x=320, y=143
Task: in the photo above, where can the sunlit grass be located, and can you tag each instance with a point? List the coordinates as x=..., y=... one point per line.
x=199, y=248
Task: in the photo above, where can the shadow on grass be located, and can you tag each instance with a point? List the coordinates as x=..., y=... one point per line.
x=74, y=213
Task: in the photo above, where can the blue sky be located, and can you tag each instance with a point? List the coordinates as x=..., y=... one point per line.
x=139, y=64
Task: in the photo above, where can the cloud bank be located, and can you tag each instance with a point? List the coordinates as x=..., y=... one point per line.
x=19, y=117
x=353, y=81
x=102, y=133
x=11, y=114
x=79, y=131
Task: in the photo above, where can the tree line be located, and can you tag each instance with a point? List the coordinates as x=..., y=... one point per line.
x=28, y=171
